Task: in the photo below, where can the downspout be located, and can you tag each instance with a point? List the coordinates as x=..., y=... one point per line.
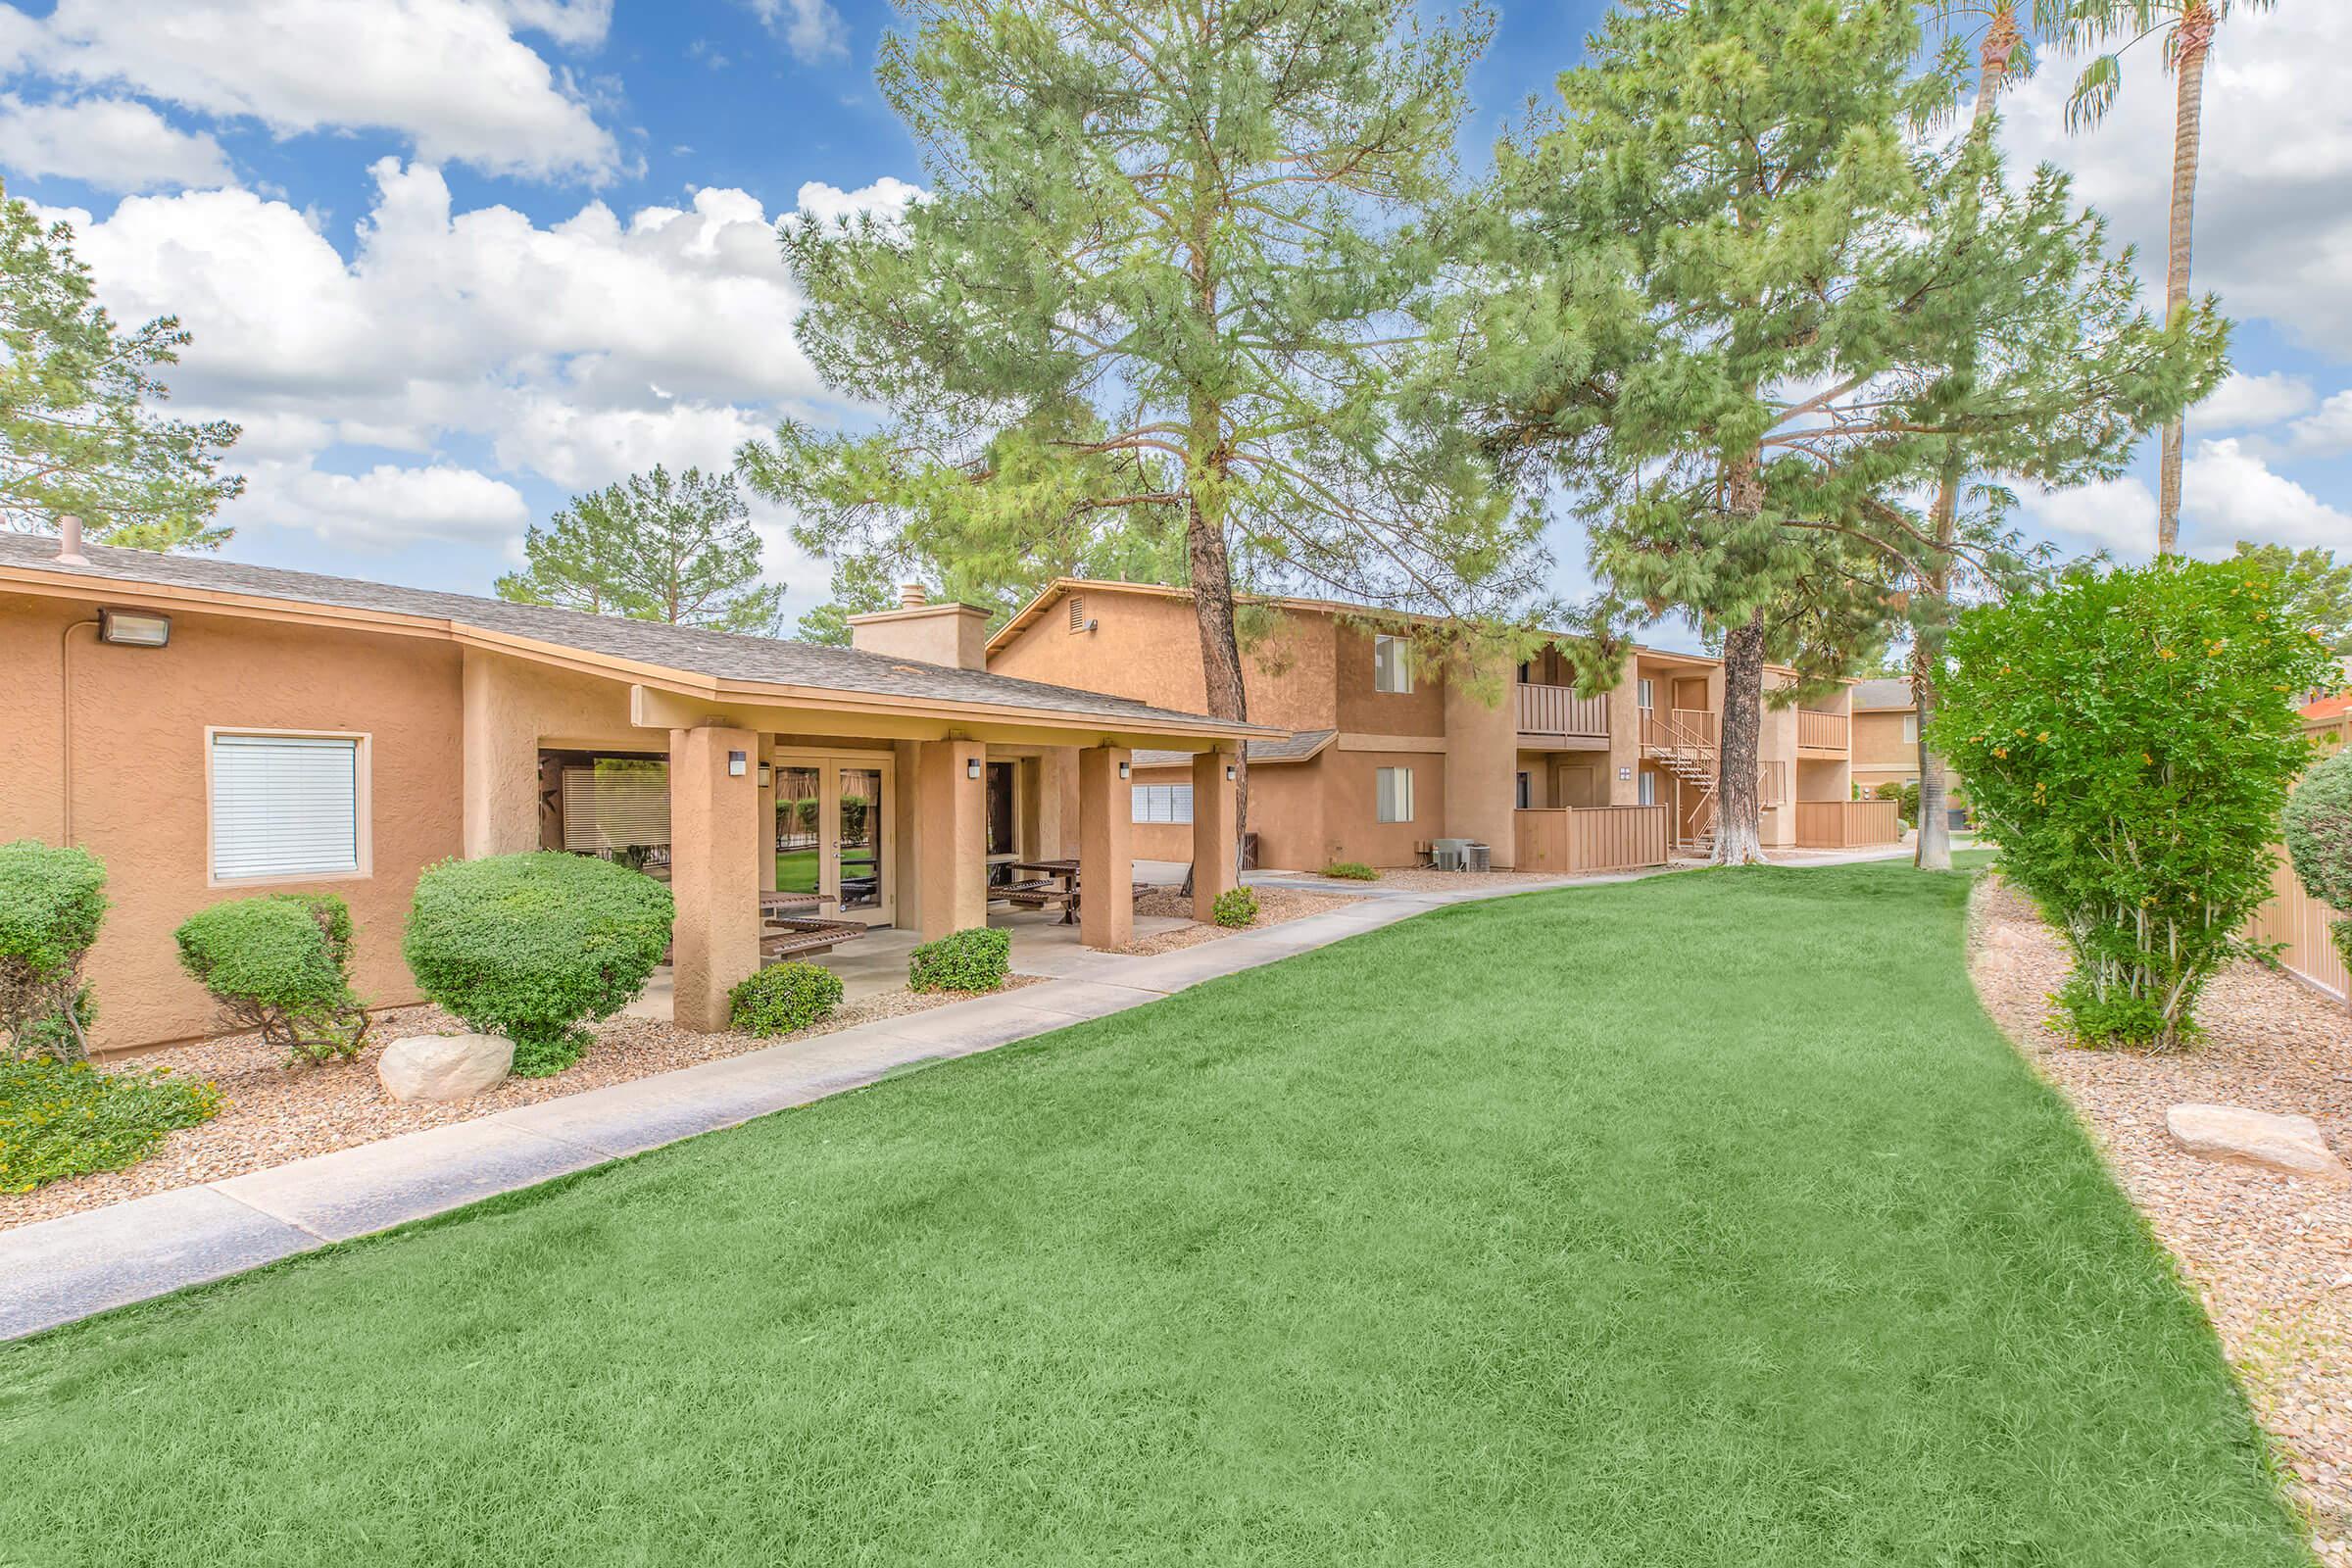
x=65, y=727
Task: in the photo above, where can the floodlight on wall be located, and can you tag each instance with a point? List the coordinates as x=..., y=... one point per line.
x=737, y=764
x=971, y=768
x=134, y=628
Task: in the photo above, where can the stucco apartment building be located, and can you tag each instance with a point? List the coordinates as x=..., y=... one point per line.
x=1382, y=759
x=1885, y=740
x=212, y=730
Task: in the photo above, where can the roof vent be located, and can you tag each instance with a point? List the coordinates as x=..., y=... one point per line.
x=912, y=597
x=68, y=543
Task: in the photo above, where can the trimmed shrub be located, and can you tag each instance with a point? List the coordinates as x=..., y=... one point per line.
x=51, y=902
x=2129, y=740
x=1351, y=871
x=972, y=959
x=1906, y=800
x=280, y=963
x=59, y=1118
x=530, y=945
x=783, y=997
x=1236, y=907
x=2319, y=841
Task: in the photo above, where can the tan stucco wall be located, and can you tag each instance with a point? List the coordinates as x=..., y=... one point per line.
x=138, y=722
x=513, y=707
x=1482, y=743
x=1363, y=710
x=954, y=635
x=1878, y=745
x=1352, y=800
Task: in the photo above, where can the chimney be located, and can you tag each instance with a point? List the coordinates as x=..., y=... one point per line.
x=69, y=544
x=911, y=596
x=950, y=634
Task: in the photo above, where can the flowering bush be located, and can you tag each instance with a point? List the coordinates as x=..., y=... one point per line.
x=2128, y=739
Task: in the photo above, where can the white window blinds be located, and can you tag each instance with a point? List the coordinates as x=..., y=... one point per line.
x=1390, y=671
x=1163, y=802
x=1394, y=787
x=617, y=805
x=285, y=806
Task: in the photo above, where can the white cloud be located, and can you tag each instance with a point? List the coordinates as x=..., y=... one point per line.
x=2246, y=401
x=2274, y=213
x=583, y=449
x=2229, y=493
x=113, y=143
x=448, y=74
x=390, y=506
x=886, y=197
x=2118, y=515
x=2327, y=433
x=811, y=28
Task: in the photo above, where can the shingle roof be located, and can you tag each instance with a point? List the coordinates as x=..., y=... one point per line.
x=1896, y=693
x=1294, y=747
x=724, y=655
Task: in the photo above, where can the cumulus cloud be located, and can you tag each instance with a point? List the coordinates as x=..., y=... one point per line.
x=2117, y=514
x=886, y=197
x=2327, y=433
x=2229, y=493
x=448, y=74
x=2246, y=401
x=811, y=30
x=390, y=506
x=584, y=448
x=112, y=143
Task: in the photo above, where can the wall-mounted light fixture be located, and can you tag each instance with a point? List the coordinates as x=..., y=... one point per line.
x=767, y=777
x=134, y=628
x=971, y=768
x=1231, y=772
x=1124, y=769
x=737, y=764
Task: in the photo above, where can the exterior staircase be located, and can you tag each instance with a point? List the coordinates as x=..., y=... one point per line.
x=1683, y=742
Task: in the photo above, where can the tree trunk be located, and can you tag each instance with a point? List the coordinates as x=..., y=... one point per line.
x=1220, y=647
x=1739, y=810
x=2192, y=41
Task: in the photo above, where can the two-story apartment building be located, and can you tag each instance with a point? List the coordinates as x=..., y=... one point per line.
x=1385, y=758
x=1885, y=740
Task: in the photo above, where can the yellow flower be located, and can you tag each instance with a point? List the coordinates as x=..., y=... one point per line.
x=2000, y=751
x=2044, y=736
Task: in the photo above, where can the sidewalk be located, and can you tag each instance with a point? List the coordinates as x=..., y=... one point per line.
x=61, y=1269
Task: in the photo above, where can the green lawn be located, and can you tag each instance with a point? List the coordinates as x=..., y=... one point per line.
x=1702, y=1220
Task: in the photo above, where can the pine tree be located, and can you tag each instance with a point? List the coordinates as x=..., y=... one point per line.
x=1165, y=266
x=653, y=548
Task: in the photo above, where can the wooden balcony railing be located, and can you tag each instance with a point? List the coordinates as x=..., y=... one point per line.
x=1819, y=731
x=1558, y=710
x=1591, y=838
x=1680, y=727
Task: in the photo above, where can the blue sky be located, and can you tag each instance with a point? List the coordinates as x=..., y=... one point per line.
x=450, y=261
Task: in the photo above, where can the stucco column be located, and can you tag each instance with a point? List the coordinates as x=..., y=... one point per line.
x=502, y=761
x=714, y=870
x=1482, y=763
x=1623, y=786
x=1212, y=831
x=1058, y=802
x=766, y=815
x=951, y=862
x=1105, y=862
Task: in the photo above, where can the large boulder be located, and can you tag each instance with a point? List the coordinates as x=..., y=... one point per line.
x=444, y=1067
x=2289, y=1144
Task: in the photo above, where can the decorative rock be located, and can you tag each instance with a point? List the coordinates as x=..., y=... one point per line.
x=2290, y=1143
x=444, y=1067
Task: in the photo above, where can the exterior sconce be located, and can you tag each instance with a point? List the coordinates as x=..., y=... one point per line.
x=1231, y=772
x=1124, y=769
x=971, y=768
x=737, y=764
x=134, y=628
x=767, y=777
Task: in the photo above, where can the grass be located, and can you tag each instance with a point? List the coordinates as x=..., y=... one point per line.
x=1699, y=1220
x=796, y=871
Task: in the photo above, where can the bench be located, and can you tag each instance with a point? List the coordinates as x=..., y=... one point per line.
x=793, y=939
x=1039, y=895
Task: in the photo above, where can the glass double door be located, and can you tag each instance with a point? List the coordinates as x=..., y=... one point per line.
x=833, y=817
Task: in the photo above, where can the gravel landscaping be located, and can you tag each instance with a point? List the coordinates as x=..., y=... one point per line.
x=2271, y=1254
x=271, y=1113
x=1274, y=907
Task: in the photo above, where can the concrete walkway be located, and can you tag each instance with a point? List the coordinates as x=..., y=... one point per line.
x=61, y=1269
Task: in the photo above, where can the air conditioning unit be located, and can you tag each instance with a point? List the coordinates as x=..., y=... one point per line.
x=1450, y=854
x=1476, y=857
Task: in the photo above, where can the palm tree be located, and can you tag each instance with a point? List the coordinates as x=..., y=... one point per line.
x=2185, y=29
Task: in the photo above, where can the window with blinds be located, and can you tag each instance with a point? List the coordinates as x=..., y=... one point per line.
x=285, y=806
x=1394, y=787
x=617, y=804
x=1391, y=670
x=1163, y=802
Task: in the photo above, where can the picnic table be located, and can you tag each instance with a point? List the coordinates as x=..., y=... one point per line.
x=1051, y=882
x=791, y=925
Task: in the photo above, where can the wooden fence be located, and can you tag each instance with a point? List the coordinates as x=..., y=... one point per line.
x=1848, y=824
x=2295, y=918
x=1820, y=731
x=1591, y=838
x=1558, y=710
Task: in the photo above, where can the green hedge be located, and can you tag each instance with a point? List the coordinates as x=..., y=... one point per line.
x=530, y=945
x=2129, y=740
x=1236, y=907
x=1351, y=871
x=783, y=997
x=59, y=1119
x=280, y=963
x=51, y=904
x=973, y=959
x=2318, y=840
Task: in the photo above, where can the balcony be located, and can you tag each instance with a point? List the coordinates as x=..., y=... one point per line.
x=1817, y=731
x=1558, y=710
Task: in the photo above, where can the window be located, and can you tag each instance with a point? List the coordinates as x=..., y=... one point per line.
x=1390, y=671
x=1163, y=802
x=1644, y=692
x=285, y=805
x=618, y=802
x=1393, y=789
x=999, y=817
x=1648, y=795
x=1911, y=730
x=1524, y=794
